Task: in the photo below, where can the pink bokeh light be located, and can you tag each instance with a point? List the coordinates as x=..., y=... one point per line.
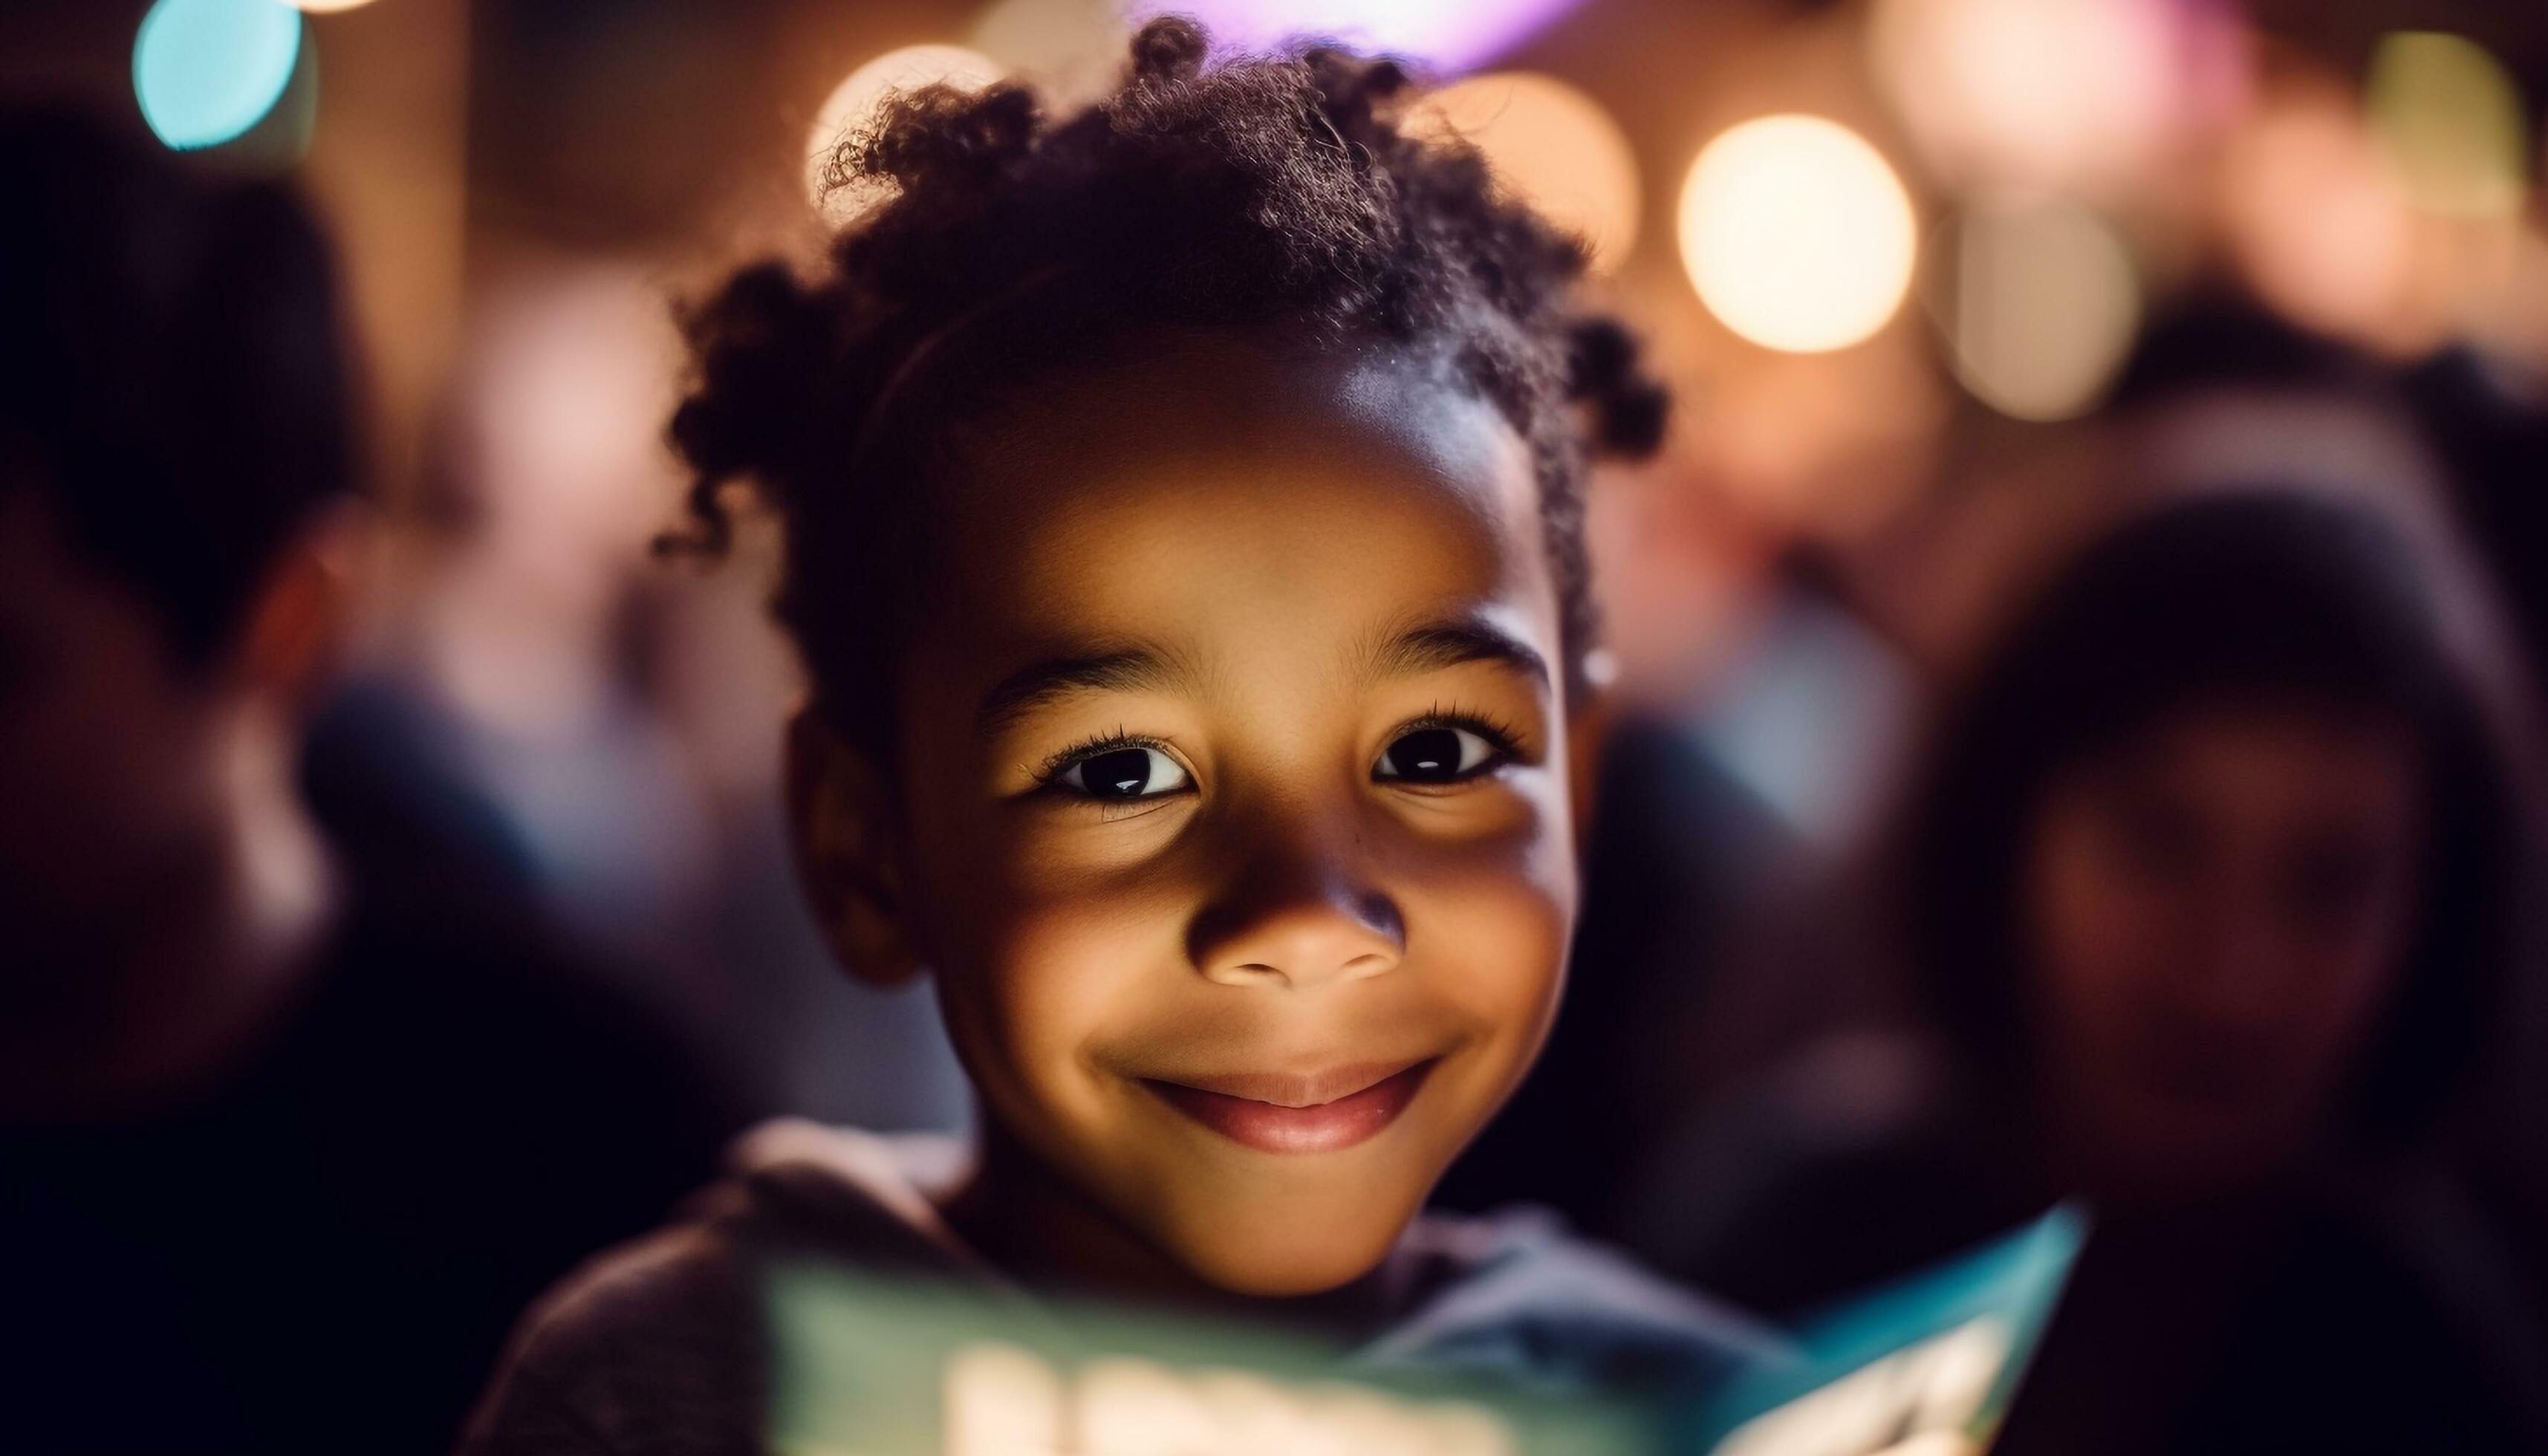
x=1450, y=35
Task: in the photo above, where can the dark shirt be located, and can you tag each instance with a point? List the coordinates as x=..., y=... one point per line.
x=2320, y=1333
x=2357, y=1308
x=324, y=1251
x=666, y=1347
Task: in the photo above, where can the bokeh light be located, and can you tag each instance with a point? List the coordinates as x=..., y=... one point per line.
x=564, y=371
x=1074, y=49
x=2046, y=301
x=1796, y=234
x=2320, y=228
x=1452, y=36
x=854, y=102
x=1553, y=148
x=1001, y=1400
x=205, y=71
x=2449, y=122
x=326, y=6
x=2040, y=93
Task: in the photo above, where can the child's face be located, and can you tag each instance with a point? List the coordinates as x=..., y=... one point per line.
x=1237, y=828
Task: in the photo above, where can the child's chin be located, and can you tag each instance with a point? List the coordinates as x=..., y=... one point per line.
x=1274, y=1273
x=1262, y=1256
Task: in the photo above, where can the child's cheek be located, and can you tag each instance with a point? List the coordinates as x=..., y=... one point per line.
x=1059, y=962
x=1505, y=859
x=1488, y=920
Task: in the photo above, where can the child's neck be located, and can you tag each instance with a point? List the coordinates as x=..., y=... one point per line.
x=1040, y=1229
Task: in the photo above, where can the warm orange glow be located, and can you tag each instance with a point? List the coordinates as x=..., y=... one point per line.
x=2321, y=228
x=2046, y=304
x=853, y=103
x=1074, y=49
x=2043, y=93
x=1553, y=147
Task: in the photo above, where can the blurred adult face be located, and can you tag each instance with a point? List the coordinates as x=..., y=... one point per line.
x=2216, y=912
x=110, y=760
x=1238, y=815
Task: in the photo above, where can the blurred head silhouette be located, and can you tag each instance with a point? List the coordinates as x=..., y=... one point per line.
x=2214, y=867
x=173, y=431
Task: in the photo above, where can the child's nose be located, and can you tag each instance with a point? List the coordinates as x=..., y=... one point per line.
x=1297, y=932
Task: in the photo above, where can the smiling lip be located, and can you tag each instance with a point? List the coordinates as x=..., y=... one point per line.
x=1293, y=1114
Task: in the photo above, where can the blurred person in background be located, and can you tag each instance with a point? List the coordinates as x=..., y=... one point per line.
x=2209, y=891
x=289, y=1133
x=590, y=734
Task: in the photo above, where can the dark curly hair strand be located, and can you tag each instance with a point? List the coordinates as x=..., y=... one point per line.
x=1274, y=195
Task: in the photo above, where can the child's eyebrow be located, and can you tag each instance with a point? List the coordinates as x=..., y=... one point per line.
x=1131, y=669
x=1438, y=645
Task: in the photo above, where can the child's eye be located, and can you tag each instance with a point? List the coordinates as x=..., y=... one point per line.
x=1437, y=753
x=1122, y=774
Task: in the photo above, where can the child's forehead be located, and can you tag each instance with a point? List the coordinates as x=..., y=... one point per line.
x=1176, y=489
x=1217, y=405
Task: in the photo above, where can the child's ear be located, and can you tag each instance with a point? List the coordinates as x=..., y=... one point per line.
x=1587, y=730
x=848, y=854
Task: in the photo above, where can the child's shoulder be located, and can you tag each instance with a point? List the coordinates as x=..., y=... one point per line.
x=1515, y=1294
x=661, y=1343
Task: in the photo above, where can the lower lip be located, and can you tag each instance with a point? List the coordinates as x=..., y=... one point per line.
x=1270, y=1127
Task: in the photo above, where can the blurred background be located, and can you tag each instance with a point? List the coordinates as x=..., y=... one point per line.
x=1948, y=292
x=1895, y=257
x=1945, y=288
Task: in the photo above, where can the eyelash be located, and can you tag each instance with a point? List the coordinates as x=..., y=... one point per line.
x=1050, y=772
x=1048, y=776
x=1500, y=736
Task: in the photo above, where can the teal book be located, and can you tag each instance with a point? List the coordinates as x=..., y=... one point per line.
x=1927, y=1366
x=871, y=1367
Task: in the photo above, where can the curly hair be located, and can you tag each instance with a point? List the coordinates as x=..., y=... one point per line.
x=1275, y=196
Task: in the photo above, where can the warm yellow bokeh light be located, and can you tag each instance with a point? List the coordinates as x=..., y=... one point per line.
x=1074, y=49
x=855, y=101
x=2449, y=122
x=2033, y=93
x=2047, y=304
x=1553, y=147
x=1797, y=234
